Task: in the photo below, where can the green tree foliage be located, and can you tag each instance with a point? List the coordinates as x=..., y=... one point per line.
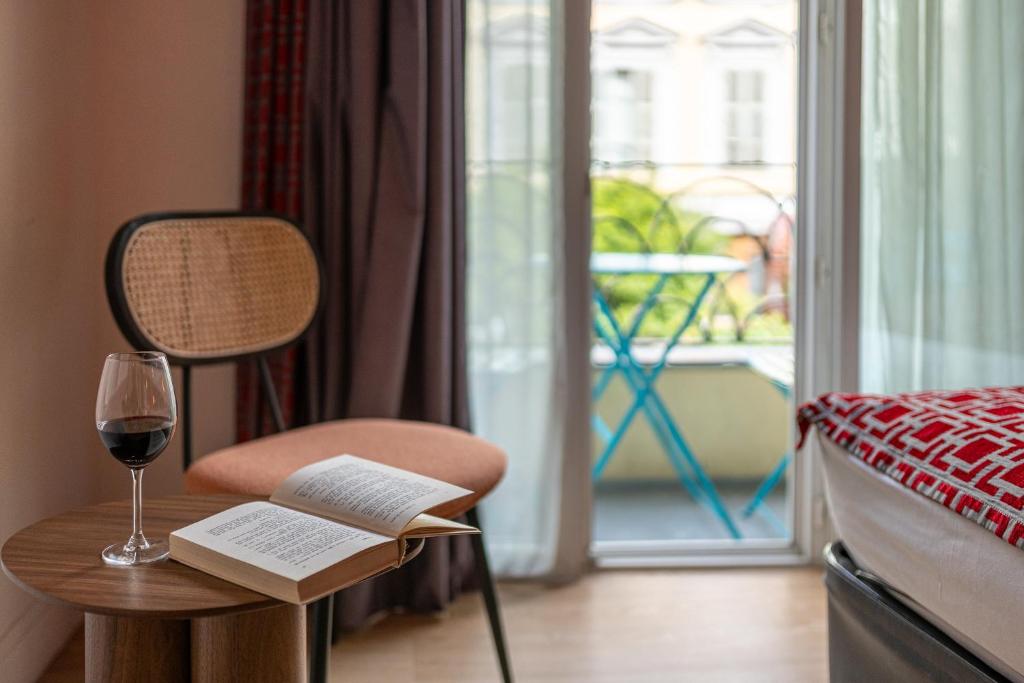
x=632, y=217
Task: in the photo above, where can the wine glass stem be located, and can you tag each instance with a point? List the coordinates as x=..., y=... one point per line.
x=137, y=540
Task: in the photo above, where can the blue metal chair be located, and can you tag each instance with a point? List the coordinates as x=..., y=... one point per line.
x=778, y=370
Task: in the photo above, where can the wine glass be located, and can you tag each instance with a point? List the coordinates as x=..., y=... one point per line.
x=135, y=416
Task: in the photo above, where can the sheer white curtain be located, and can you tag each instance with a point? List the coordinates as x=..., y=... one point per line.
x=516, y=292
x=942, y=194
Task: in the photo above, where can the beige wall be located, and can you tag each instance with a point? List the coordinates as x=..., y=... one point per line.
x=737, y=424
x=106, y=110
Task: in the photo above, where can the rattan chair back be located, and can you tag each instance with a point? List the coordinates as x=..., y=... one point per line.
x=212, y=287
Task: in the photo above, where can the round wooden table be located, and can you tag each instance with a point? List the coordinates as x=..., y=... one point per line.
x=156, y=622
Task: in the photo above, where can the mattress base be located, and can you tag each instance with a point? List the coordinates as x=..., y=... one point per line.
x=874, y=637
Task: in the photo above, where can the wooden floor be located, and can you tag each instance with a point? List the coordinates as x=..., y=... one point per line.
x=680, y=625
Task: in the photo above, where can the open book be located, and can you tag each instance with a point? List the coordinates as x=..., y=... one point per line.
x=327, y=526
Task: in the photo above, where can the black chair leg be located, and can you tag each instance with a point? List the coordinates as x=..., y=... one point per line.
x=483, y=575
x=321, y=616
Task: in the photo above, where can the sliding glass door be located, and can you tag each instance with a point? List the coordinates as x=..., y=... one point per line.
x=693, y=181
x=635, y=308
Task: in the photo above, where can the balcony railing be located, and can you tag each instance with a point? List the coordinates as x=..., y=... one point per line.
x=741, y=210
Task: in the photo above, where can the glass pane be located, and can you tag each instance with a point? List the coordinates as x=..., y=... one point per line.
x=692, y=372
x=511, y=233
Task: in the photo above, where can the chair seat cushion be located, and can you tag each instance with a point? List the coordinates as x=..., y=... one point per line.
x=257, y=467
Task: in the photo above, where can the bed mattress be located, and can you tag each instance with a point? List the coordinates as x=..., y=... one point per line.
x=953, y=571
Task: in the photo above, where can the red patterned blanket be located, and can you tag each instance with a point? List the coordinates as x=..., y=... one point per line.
x=963, y=449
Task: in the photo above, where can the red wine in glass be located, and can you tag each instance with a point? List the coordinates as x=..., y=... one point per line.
x=136, y=441
x=135, y=416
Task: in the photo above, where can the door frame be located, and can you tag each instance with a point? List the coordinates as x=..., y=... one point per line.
x=826, y=284
x=828, y=344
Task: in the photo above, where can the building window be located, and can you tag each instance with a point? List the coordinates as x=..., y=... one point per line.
x=623, y=114
x=744, y=115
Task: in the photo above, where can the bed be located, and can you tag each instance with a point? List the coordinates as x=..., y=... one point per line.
x=926, y=494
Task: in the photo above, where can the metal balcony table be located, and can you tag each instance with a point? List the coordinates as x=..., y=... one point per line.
x=641, y=380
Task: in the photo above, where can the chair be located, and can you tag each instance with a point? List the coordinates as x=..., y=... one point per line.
x=779, y=370
x=220, y=287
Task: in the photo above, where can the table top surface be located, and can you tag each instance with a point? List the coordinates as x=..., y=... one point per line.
x=58, y=560
x=610, y=263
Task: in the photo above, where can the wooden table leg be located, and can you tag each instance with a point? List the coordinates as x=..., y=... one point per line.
x=265, y=645
x=128, y=649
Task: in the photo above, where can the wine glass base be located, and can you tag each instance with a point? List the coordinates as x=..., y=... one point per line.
x=117, y=554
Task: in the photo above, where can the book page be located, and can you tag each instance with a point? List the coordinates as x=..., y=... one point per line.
x=364, y=493
x=425, y=526
x=286, y=542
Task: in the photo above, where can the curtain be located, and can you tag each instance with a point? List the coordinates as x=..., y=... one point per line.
x=354, y=126
x=384, y=177
x=537, y=520
x=272, y=149
x=942, y=194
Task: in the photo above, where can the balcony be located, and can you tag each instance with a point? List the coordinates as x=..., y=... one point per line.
x=726, y=381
